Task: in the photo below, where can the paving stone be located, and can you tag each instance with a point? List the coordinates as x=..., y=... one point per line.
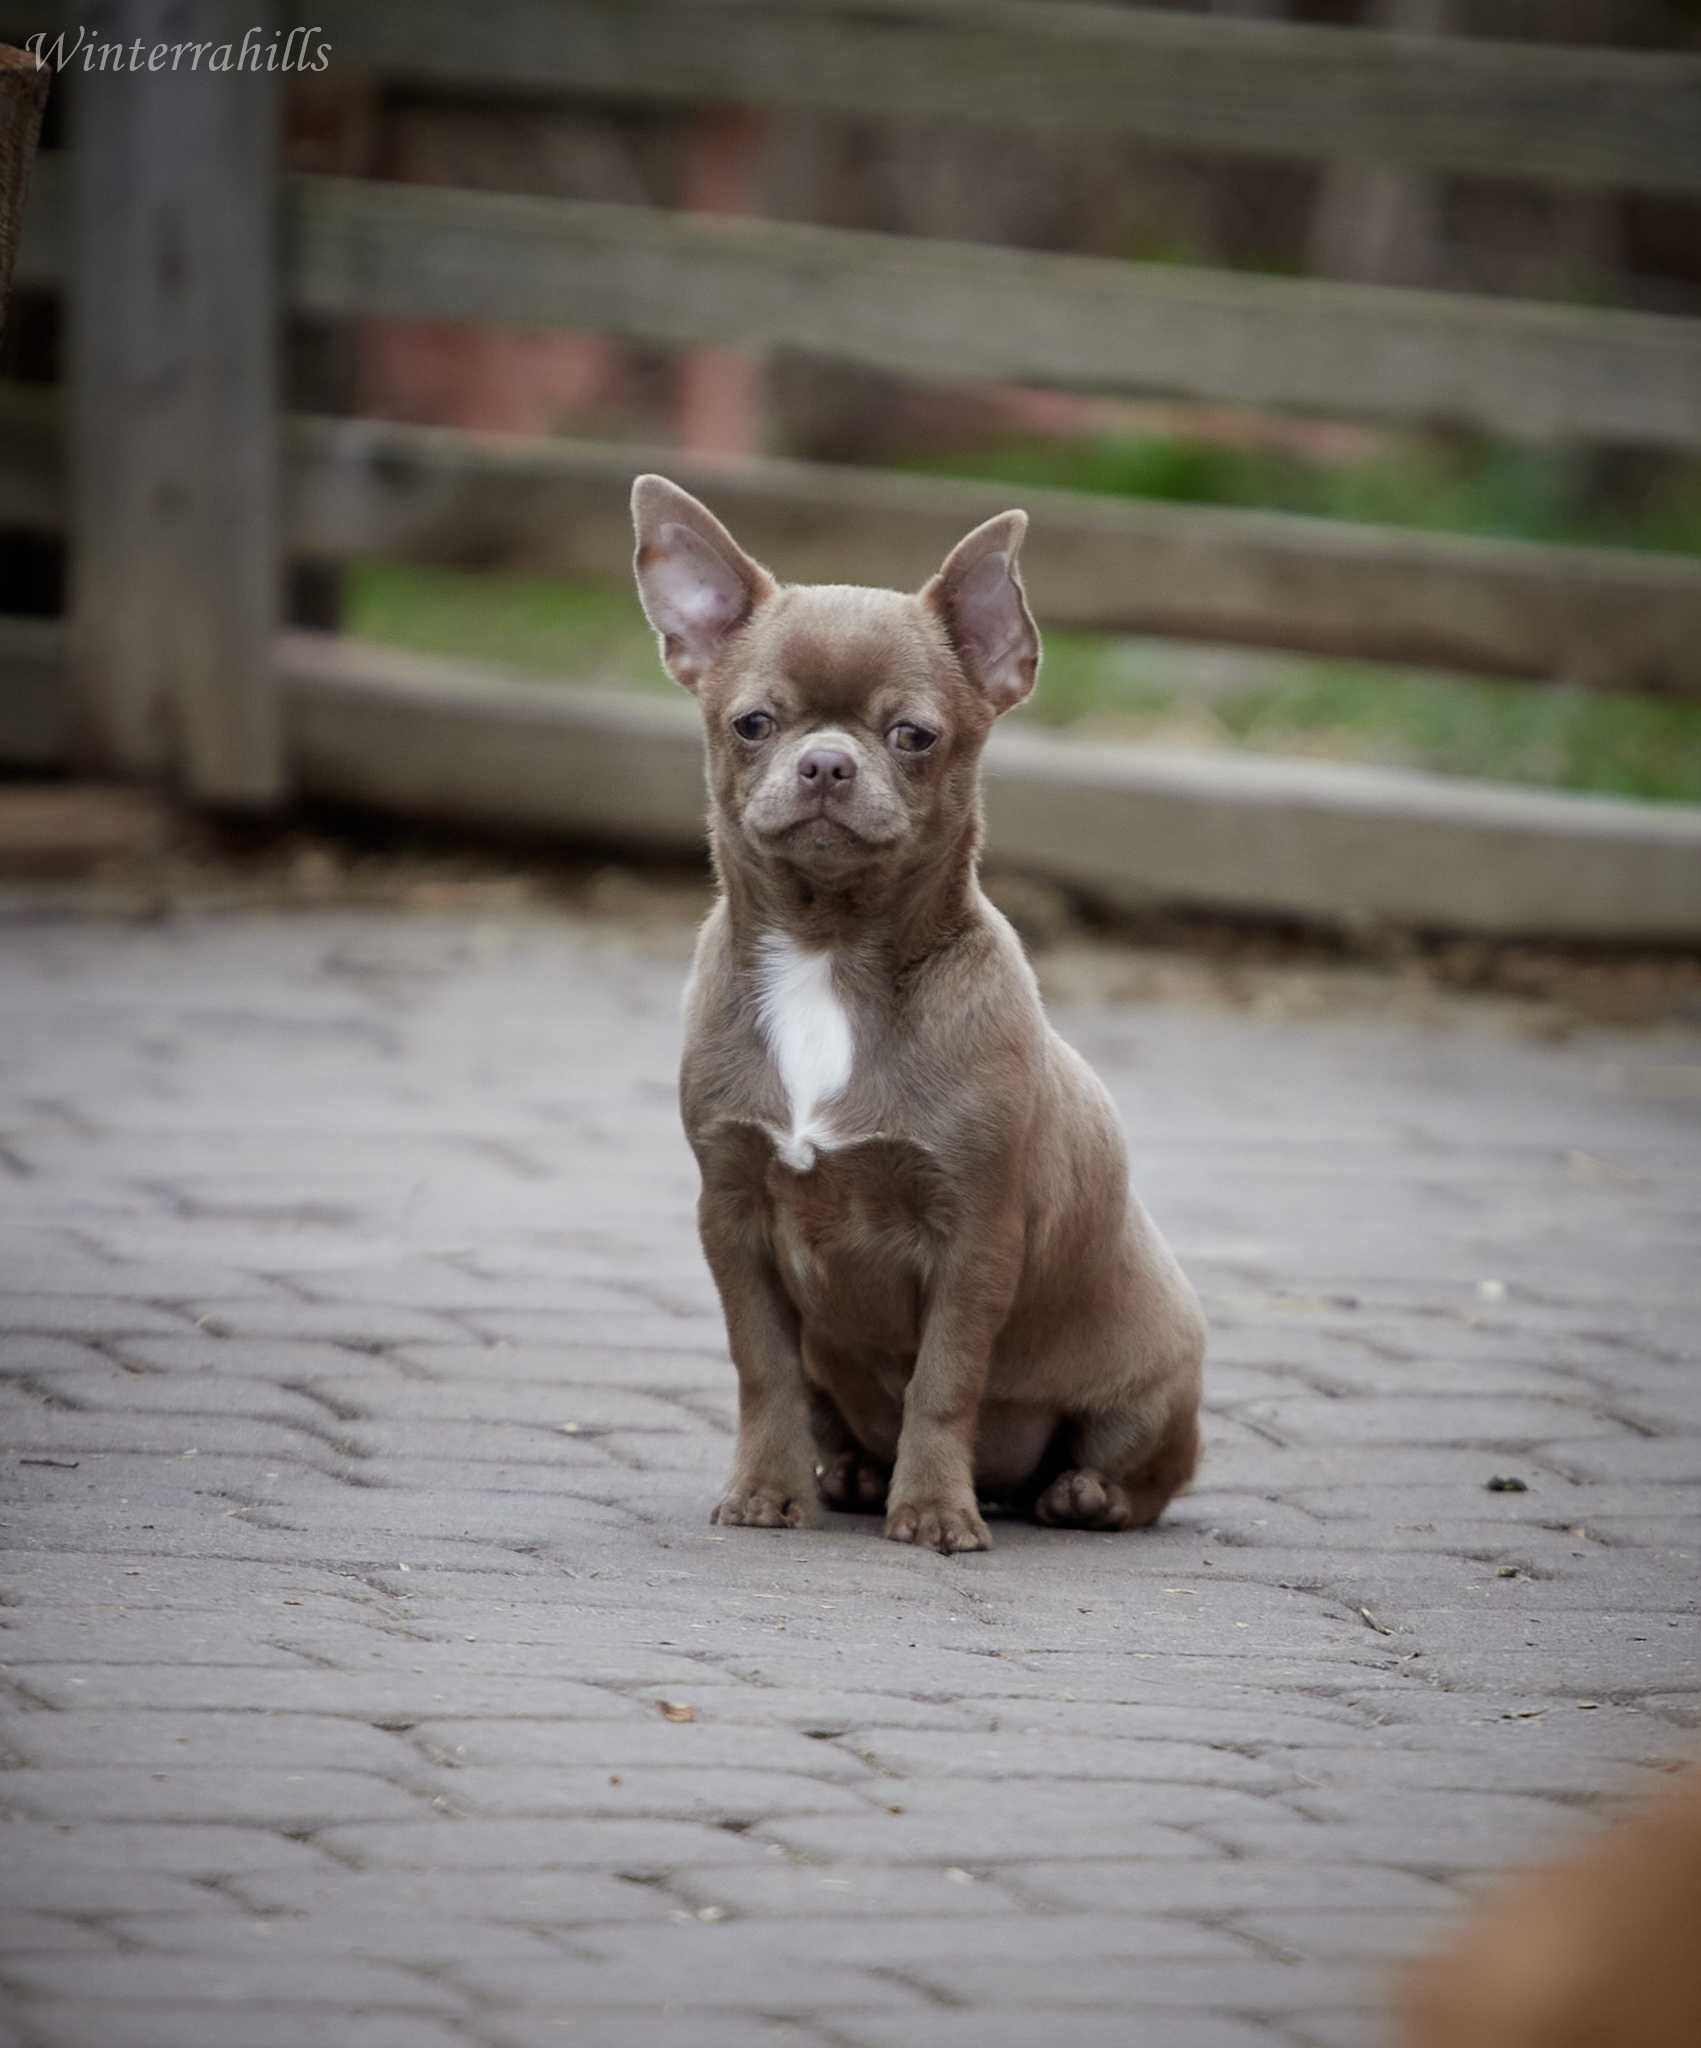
x=985, y=1834
x=39, y=1356
x=131, y=1740
x=352, y=1324
x=88, y=1316
x=1423, y=1831
x=652, y=1369
x=1353, y=1932
x=380, y=1934
x=686, y=1791
x=981, y=2028
x=325, y=1893
x=1141, y=1984
x=1045, y=1754
x=238, y=1796
x=48, y=1934
x=850, y=1891
x=614, y=2028
x=1432, y=1417
x=694, y=1981
x=449, y=1683
x=923, y=1943
x=60, y=1432
x=565, y=1843
x=1225, y=1886
x=56, y=1862
x=226, y=1979
x=78, y=2023
x=1334, y=2029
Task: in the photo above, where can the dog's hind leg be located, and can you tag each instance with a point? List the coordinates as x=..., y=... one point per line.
x=848, y=1478
x=1125, y=1470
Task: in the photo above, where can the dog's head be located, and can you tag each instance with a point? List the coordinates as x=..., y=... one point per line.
x=844, y=725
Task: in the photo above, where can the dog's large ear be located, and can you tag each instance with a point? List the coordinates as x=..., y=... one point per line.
x=979, y=597
x=695, y=582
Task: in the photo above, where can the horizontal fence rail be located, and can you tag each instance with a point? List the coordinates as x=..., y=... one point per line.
x=1556, y=115
x=1612, y=618
x=917, y=308
x=1609, y=617
x=946, y=310
x=1544, y=113
x=1352, y=847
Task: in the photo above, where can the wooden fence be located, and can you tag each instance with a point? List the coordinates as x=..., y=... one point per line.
x=182, y=488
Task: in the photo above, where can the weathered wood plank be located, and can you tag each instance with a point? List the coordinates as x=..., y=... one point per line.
x=954, y=311
x=1565, y=115
x=44, y=247
x=34, y=728
x=23, y=97
x=1335, y=845
x=34, y=481
x=1610, y=618
x=909, y=306
x=173, y=439
x=79, y=828
x=1131, y=826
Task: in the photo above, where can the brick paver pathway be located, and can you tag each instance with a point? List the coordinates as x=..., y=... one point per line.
x=371, y=1674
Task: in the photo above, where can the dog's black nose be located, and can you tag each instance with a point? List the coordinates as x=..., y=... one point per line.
x=826, y=768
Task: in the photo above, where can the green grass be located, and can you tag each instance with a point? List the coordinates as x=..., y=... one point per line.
x=533, y=623
x=1542, y=735
x=1124, y=689
x=1462, y=486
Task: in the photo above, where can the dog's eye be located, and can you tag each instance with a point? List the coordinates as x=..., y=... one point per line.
x=911, y=739
x=754, y=725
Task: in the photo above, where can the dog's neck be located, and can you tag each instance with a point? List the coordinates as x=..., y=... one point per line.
x=893, y=918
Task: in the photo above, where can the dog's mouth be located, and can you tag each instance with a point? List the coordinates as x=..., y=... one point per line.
x=823, y=827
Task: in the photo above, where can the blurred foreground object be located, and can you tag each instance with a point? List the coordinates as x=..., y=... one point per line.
x=1601, y=1951
x=23, y=95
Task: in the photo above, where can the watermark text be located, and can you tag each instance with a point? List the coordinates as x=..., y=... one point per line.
x=302, y=49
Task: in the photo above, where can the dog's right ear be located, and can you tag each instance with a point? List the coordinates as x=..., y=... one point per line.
x=696, y=584
x=979, y=598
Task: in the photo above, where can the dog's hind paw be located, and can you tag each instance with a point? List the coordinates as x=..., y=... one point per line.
x=1085, y=1499
x=758, y=1507
x=853, y=1484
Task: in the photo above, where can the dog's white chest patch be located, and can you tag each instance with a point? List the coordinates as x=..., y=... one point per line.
x=808, y=1035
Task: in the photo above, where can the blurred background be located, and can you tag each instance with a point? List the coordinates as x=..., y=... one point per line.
x=1345, y=351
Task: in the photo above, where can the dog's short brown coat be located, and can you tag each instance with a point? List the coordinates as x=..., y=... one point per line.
x=943, y=1286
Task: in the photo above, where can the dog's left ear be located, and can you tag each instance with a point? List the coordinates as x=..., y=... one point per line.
x=979, y=597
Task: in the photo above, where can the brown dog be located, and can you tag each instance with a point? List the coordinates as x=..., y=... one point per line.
x=915, y=1199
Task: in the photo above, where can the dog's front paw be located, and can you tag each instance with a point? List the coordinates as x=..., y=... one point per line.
x=758, y=1507
x=947, y=1525
x=853, y=1484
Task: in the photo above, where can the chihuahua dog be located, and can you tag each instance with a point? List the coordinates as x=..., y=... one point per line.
x=938, y=1289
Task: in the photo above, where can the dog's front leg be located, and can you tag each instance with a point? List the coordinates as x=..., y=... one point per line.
x=931, y=1500
x=773, y=1469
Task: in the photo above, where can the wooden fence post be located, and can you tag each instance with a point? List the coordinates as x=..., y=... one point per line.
x=23, y=95
x=174, y=592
